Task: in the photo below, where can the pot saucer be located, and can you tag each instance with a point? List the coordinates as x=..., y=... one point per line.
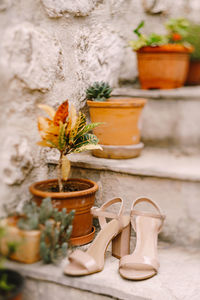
x=119, y=152
x=84, y=239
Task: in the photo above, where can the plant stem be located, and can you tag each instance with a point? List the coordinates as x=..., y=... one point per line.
x=60, y=185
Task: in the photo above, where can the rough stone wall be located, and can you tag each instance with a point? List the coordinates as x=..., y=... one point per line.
x=50, y=51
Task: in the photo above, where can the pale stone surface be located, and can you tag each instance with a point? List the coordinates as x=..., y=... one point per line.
x=40, y=290
x=183, y=93
x=31, y=56
x=172, y=181
x=178, y=199
x=4, y=4
x=16, y=164
x=178, y=279
x=61, y=8
x=170, y=116
x=152, y=162
x=98, y=63
x=49, y=59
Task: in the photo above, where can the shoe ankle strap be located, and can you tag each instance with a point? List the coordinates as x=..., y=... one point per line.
x=135, y=212
x=102, y=214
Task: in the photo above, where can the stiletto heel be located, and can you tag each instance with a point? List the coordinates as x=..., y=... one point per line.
x=92, y=261
x=121, y=243
x=143, y=263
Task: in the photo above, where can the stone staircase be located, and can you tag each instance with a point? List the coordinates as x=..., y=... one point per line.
x=168, y=171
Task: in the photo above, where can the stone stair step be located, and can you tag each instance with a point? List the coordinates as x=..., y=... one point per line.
x=178, y=279
x=172, y=180
x=171, y=117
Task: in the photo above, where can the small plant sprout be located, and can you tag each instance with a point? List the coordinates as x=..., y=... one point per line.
x=152, y=40
x=68, y=132
x=98, y=91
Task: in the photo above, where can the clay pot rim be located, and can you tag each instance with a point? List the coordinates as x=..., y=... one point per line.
x=36, y=192
x=119, y=102
x=167, y=48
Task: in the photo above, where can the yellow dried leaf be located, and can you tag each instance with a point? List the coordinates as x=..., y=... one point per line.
x=72, y=119
x=65, y=168
x=43, y=125
x=51, y=139
x=87, y=147
x=48, y=109
x=53, y=129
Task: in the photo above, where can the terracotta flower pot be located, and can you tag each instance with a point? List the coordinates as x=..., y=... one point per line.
x=193, y=77
x=81, y=201
x=163, y=67
x=13, y=278
x=28, y=242
x=119, y=134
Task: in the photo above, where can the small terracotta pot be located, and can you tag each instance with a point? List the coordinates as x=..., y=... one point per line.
x=121, y=122
x=163, y=67
x=81, y=201
x=13, y=278
x=28, y=242
x=193, y=77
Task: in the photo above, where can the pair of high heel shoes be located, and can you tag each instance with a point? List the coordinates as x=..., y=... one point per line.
x=142, y=263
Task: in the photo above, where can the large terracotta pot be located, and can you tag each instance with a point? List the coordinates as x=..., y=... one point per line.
x=15, y=279
x=163, y=67
x=193, y=77
x=28, y=241
x=119, y=134
x=81, y=201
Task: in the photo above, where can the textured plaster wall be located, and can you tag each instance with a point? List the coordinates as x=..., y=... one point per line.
x=50, y=51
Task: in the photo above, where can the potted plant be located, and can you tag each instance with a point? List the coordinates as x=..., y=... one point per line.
x=163, y=60
x=119, y=135
x=68, y=132
x=11, y=282
x=26, y=230
x=193, y=37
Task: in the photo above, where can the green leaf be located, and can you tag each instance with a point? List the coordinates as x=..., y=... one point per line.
x=87, y=128
x=86, y=139
x=61, y=137
x=80, y=123
x=136, y=30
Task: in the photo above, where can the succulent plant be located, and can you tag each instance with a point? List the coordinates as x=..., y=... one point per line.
x=33, y=215
x=98, y=91
x=55, y=236
x=56, y=228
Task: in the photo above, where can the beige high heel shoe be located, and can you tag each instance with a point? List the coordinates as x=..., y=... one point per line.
x=143, y=262
x=117, y=231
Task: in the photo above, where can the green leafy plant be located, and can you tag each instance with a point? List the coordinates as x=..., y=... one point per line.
x=68, y=132
x=193, y=37
x=177, y=31
x=98, y=91
x=4, y=285
x=55, y=236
